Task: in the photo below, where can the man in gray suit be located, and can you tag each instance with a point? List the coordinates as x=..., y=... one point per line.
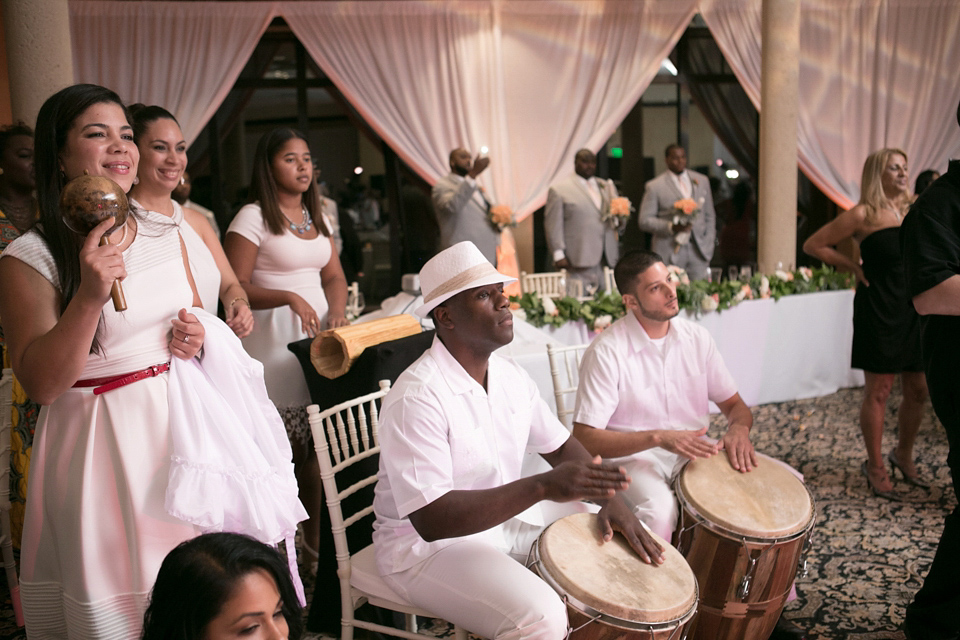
x=690, y=247
x=578, y=238
x=462, y=207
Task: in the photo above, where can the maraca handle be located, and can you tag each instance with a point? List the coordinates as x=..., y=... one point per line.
x=116, y=291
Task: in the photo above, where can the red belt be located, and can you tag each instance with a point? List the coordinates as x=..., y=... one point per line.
x=114, y=382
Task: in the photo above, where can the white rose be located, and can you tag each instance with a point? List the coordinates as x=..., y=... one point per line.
x=764, y=287
x=784, y=275
x=709, y=303
x=602, y=322
x=549, y=307
x=806, y=273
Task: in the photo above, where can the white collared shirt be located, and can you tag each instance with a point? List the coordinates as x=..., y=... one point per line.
x=683, y=183
x=440, y=431
x=592, y=188
x=477, y=189
x=627, y=384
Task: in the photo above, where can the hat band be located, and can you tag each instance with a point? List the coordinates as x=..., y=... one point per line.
x=461, y=281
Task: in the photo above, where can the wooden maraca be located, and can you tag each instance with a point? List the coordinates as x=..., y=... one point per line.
x=87, y=201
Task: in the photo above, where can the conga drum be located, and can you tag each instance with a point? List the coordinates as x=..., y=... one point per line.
x=610, y=593
x=744, y=535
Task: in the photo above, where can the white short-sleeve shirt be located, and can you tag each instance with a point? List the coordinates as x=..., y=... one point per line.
x=441, y=431
x=627, y=384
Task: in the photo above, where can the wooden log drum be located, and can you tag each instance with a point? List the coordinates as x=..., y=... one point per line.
x=610, y=593
x=744, y=535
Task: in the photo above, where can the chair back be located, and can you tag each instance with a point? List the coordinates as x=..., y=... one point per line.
x=554, y=284
x=346, y=435
x=565, y=372
x=6, y=537
x=609, y=281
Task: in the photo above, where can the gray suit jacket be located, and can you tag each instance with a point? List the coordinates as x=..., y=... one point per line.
x=656, y=213
x=461, y=217
x=572, y=223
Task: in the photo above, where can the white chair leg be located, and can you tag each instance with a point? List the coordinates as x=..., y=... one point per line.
x=411, y=622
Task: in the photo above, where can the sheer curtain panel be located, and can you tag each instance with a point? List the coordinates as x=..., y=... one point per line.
x=873, y=74
x=532, y=80
x=183, y=56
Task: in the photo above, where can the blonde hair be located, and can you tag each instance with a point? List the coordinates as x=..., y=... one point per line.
x=872, y=196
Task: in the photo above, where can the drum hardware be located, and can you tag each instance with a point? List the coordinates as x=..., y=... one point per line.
x=803, y=570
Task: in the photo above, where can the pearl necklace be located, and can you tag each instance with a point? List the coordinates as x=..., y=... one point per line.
x=304, y=226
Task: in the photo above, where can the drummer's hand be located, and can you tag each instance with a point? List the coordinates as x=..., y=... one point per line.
x=615, y=516
x=240, y=318
x=309, y=321
x=576, y=480
x=187, y=339
x=690, y=444
x=739, y=448
x=99, y=266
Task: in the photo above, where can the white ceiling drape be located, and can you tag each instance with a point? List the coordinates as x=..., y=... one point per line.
x=873, y=74
x=184, y=56
x=534, y=81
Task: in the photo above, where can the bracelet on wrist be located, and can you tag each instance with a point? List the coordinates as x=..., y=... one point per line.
x=239, y=299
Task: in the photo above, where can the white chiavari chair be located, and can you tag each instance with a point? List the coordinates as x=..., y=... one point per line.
x=345, y=435
x=565, y=372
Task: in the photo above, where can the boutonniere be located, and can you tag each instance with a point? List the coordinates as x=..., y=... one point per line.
x=695, y=182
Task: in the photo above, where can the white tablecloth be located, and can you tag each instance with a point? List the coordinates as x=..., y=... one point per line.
x=797, y=347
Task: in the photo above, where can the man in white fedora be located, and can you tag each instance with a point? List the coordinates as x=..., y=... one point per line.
x=453, y=433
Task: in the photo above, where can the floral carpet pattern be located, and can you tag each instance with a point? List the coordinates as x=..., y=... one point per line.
x=869, y=554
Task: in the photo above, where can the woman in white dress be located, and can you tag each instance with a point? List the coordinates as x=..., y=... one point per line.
x=96, y=529
x=163, y=160
x=281, y=247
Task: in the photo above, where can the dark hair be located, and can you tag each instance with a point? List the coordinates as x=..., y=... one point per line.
x=924, y=180
x=11, y=131
x=671, y=147
x=631, y=265
x=263, y=185
x=142, y=116
x=54, y=121
x=198, y=577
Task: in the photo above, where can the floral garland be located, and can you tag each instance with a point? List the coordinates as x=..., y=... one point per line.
x=695, y=296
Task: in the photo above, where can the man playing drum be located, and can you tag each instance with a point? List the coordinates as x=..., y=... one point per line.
x=451, y=530
x=645, y=383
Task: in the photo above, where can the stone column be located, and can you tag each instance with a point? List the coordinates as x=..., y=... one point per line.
x=780, y=72
x=39, y=55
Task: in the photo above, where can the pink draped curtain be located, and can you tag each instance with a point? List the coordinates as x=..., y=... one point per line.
x=184, y=56
x=532, y=80
x=873, y=74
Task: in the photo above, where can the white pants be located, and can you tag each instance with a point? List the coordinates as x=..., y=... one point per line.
x=650, y=492
x=486, y=591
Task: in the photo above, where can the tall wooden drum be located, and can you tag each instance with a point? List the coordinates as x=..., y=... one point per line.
x=744, y=535
x=610, y=593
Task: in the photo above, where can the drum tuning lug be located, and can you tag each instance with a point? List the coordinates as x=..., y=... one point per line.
x=744, y=590
x=804, y=570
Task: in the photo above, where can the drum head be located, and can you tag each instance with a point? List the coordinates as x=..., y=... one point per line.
x=768, y=502
x=610, y=578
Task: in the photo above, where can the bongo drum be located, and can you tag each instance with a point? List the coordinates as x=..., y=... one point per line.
x=743, y=535
x=610, y=593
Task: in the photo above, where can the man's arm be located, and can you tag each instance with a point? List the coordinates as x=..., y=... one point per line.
x=941, y=300
x=553, y=228
x=707, y=239
x=736, y=441
x=449, y=201
x=616, y=444
x=465, y=512
x=647, y=218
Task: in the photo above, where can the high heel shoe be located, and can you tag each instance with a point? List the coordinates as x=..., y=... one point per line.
x=895, y=465
x=889, y=495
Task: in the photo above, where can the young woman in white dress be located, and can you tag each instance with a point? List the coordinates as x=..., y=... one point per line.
x=281, y=247
x=163, y=160
x=96, y=530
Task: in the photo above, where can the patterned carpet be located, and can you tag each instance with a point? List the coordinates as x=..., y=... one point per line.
x=868, y=555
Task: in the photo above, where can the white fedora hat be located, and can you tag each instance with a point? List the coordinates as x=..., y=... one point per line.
x=453, y=270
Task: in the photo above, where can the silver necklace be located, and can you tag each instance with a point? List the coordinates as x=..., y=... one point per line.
x=304, y=226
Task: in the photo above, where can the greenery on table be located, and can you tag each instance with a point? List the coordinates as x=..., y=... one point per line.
x=696, y=296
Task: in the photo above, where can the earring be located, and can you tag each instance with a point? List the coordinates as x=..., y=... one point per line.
x=182, y=180
x=136, y=180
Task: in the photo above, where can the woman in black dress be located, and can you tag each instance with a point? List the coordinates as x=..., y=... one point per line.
x=886, y=329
